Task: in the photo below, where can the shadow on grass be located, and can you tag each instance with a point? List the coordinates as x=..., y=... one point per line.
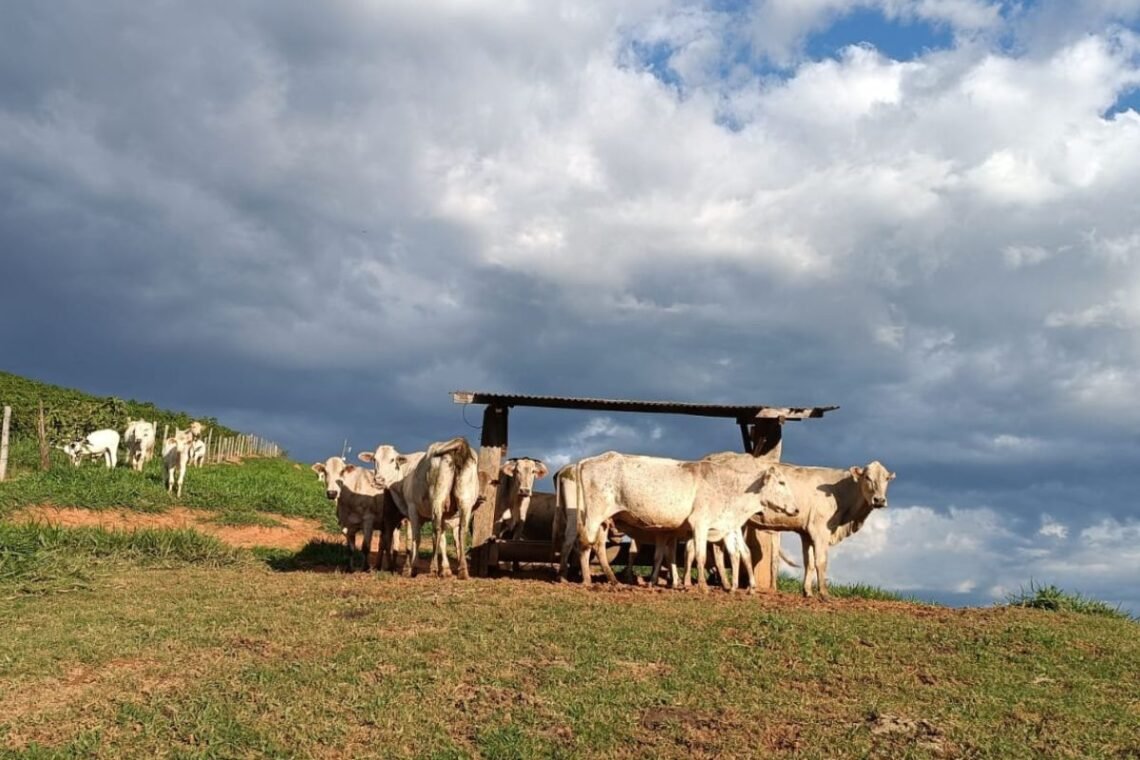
x=315, y=556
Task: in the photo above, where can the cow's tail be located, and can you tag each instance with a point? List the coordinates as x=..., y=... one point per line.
x=786, y=558
x=458, y=447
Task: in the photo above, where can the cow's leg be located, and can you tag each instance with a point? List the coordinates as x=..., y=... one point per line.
x=718, y=560
x=674, y=573
x=350, y=547
x=809, y=562
x=658, y=562
x=689, y=559
x=603, y=560
x=628, y=575
x=701, y=539
x=414, y=544
x=368, y=542
x=746, y=560
x=443, y=566
x=821, y=543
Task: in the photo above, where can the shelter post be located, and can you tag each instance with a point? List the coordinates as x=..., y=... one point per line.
x=492, y=448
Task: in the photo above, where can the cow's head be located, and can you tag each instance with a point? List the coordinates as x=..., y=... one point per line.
x=389, y=465
x=196, y=429
x=74, y=451
x=525, y=471
x=775, y=493
x=873, y=481
x=331, y=473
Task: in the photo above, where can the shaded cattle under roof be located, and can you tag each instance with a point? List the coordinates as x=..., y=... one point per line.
x=760, y=431
x=742, y=413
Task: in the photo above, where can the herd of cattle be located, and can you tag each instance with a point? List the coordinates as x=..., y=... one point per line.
x=652, y=500
x=184, y=448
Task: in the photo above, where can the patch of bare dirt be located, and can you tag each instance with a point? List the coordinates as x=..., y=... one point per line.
x=293, y=533
x=898, y=731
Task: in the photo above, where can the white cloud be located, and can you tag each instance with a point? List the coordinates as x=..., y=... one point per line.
x=979, y=551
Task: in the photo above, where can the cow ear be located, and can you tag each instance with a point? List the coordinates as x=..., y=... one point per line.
x=510, y=468
x=542, y=470
x=891, y=476
x=856, y=472
x=366, y=456
x=318, y=468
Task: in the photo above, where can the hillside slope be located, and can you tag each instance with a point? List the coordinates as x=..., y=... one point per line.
x=69, y=412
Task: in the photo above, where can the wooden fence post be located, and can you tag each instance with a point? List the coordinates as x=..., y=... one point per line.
x=4, y=443
x=209, y=440
x=41, y=431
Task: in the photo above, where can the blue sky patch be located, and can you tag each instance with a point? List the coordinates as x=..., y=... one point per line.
x=1129, y=100
x=902, y=41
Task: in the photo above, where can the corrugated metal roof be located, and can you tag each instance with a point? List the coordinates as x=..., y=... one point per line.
x=739, y=412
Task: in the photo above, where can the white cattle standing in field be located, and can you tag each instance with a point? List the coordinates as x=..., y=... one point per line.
x=390, y=469
x=359, y=504
x=834, y=503
x=197, y=453
x=442, y=487
x=516, y=490
x=139, y=438
x=175, y=455
x=103, y=443
x=673, y=499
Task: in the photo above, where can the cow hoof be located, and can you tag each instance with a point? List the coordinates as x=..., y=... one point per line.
x=462, y=575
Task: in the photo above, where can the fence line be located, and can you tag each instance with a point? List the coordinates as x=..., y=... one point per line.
x=218, y=448
x=4, y=442
x=238, y=447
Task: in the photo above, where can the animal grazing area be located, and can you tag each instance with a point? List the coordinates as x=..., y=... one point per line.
x=223, y=622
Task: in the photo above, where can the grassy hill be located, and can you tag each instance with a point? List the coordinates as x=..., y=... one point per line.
x=165, y=641
x=70, y=413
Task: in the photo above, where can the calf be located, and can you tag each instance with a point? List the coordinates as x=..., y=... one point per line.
x=175, y=454
x=103, y=443
x=359, y=504
x=197, y=453
x=139, y=438
x=516, y=488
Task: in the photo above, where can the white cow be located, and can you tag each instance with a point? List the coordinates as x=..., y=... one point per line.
x=673, y=499
x=197, y=453
x=139, y=438
x=516, y=487
x=359, y=504
x=390, y=468
x=104, y=443
x=834, y=503
x=442, y=487
x=175, y=455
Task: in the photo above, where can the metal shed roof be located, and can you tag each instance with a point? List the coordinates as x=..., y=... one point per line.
x=740, y=412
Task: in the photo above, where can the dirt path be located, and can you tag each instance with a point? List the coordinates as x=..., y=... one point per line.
x=293, y=533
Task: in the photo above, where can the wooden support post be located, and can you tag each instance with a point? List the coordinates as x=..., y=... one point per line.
x=492, y=448
x=41, y=431
x=4, y=443
x=765, y=441
x=765, y=548
x=746, y=437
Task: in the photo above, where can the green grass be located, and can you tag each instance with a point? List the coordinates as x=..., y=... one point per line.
x=240, y=660
x=1051, y=598
x=38, y=558
x=794, y=585
x=239, y=491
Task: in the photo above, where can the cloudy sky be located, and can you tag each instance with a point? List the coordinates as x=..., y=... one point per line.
x=313, y=220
